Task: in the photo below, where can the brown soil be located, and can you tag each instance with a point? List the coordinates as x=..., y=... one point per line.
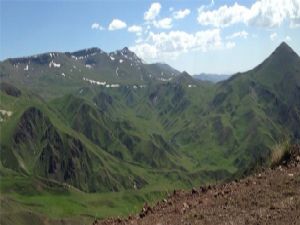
x=269, y=197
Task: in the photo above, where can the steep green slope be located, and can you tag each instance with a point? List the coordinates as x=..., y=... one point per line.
x=36, y=142
x=252, y=111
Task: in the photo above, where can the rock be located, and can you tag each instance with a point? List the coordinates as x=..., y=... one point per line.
x=145, y=210
x=174, y=192
x=185, y=205
x=194, y=191
x=203, y=189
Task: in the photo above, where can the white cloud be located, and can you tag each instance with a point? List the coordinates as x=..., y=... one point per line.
x=230, y=44
x=97, y=26
x=288, y=38
x=165, y=23
x=180, y=14
x=242, y=34
x=135, y=29
x=174, y=43
x=263, y=13
x=153, y=11
x=117, y=24
x=223, y=16
x=273, y=36
x=145, y=51
x=139, y=40
x=203, y=7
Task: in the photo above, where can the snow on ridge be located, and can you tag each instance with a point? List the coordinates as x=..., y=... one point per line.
x=26, y=68
x=94, y=81
x=107, y=85
x=112, y=85
x=54, y=65
x=89, y=66
x=164, y=79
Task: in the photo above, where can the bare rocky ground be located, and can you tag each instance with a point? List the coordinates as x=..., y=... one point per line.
x=269, y=197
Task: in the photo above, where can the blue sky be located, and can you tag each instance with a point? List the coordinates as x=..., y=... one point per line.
x=193, y=35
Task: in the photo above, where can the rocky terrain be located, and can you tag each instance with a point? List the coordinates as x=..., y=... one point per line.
x=271, y=196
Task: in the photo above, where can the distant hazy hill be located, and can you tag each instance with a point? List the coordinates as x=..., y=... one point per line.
x=211, y=77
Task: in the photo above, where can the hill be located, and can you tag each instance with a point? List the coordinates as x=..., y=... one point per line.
x=211, y=77
x=54, y=74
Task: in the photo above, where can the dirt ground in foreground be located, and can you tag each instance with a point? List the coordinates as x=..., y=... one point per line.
x=269, y=197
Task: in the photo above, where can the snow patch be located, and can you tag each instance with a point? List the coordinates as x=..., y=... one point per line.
x=4, y=114
x=89, y=66
x=26, y=68
x=54, y=65
x=94, y=81
x=165, y=79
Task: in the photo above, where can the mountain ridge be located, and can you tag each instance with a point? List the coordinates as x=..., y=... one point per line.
x=138, y=139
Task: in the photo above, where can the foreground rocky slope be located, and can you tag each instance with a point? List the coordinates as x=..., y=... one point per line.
x=269, y=197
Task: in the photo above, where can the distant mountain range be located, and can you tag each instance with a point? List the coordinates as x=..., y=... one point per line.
x=94, y=66
x=95, y=122
x=211, y=77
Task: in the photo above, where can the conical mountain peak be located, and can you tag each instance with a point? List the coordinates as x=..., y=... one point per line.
x=283, y=51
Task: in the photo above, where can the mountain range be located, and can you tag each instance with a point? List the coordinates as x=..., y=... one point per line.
x=90, y=123
x=211, y=77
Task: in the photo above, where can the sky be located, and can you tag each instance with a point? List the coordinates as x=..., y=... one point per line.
x=210, y=36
